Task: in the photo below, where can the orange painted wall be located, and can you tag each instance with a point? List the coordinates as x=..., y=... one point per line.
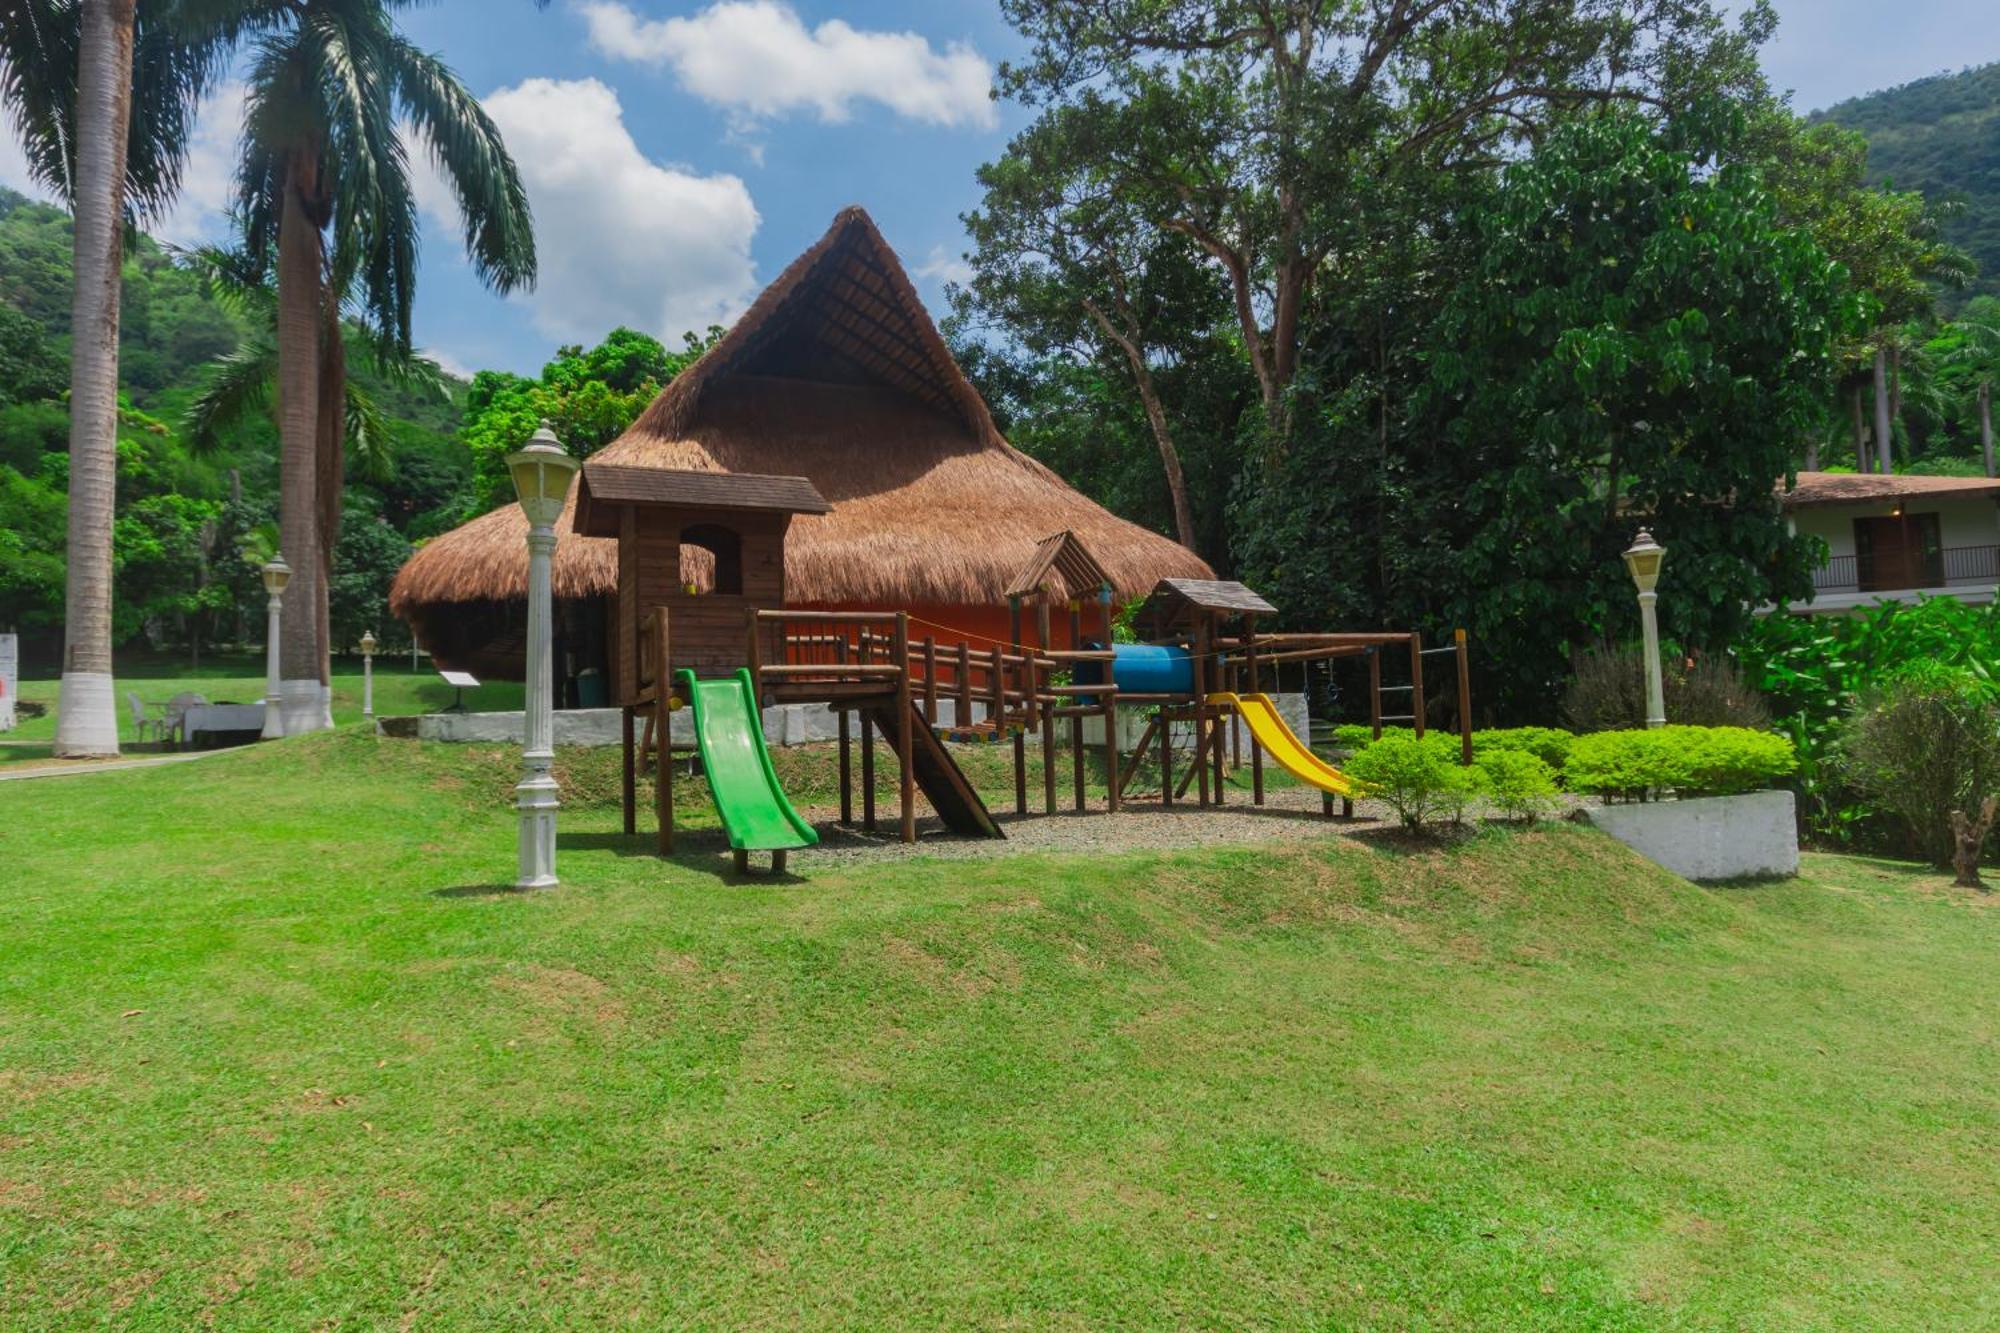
x=979, y=627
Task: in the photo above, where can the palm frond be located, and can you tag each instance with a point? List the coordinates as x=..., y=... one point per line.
x=236, y=280
x=237, y=385
x=370, y=445
x=467, y=147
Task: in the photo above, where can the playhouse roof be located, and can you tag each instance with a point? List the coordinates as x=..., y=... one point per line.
x=1175, y=600
x=836, y=374
x=605, y=488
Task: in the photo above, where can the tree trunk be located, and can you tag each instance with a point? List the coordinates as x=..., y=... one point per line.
x=87, y=710
x=1156, y=417
x=1812, y=453
x=1969, y=840
x=1986, y=425
x=1885, y=449
x=331, y=467
x=299, y=301
x=1861, y=453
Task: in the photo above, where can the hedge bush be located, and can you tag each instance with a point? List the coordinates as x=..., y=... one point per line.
x=1548, y=744
x=1689, y=761
x=1927, y=745
x=1518, y=783
x=1421, y=782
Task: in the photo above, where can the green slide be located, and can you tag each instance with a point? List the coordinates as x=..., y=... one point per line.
x=730, y=728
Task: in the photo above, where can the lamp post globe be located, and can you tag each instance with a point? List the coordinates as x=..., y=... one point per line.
x=368, y=673
x=276, y=575
x=1643, y=560
x=542, y=473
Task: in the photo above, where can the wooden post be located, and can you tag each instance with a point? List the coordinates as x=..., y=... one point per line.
x=1200, y=645
x=1375, y=690
x=1116, y=786
x=1417, y=683
x=1047, y=705
x=629, y=789
x=1464, y=698
x=1235, y=724
x=930, y=680
x=1076, y=758
x=663, y=694
x=754, y=657
x=996, y=696
x=1166, y=756
x=846, y=755
x=962, y=703
x=1075, y=624
x=1027, y=705
x=868, y=772
x=905, y=742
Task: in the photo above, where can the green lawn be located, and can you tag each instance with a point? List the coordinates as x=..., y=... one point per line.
x=398, y=690
x=274, y=1052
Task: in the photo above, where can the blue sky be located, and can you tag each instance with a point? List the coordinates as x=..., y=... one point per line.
x=680, y=152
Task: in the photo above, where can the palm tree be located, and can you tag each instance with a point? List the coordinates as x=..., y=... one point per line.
x=321, y=150
x=1978, y=351
x=104, y=92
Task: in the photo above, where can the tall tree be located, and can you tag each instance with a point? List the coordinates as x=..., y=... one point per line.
x=1262, y=129
x=104, y=92
x=330, y=83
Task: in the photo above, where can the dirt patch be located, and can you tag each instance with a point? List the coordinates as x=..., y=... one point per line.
x=565, y=992
x=26, y=1085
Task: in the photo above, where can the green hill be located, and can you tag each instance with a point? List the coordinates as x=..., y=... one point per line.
x=1527, y=1081
x=1940, y=135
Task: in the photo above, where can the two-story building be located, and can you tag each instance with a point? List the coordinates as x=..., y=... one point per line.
x=1897, y=538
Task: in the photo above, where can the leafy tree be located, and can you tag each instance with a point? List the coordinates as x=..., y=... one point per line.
x=365, y=563
x=1270, y=132
x=589, y=398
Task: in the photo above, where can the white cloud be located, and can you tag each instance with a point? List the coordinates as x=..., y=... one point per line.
x=208, y=180
x=200, y=211
x=945, y=266
x=757, y=57
x=621, y=239
x=446, y=362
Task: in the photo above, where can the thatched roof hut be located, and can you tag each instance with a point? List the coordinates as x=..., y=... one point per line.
x=837, y=374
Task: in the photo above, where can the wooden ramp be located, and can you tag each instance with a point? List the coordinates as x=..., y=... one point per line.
x=939, y=775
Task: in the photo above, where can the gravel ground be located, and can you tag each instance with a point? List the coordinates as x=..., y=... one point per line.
x=1288, y=814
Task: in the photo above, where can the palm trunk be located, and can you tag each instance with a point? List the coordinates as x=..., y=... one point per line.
x=1861, y=458
x=87, y=711
x=331, y=435
x=1986, y=425
x=1885, y=448
x=299, y=301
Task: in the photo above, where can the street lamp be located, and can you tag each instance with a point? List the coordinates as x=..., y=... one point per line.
x=542, y=473
x=1644, y=560
x=368, y=673
x=276, y=575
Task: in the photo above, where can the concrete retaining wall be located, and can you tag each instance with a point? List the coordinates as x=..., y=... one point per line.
x=788, y=724
x=1716, y=837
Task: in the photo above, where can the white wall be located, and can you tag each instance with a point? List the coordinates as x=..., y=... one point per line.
x=1971, y=521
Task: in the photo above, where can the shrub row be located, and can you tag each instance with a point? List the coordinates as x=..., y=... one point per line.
x=1548, y=744
x=1689, y=761
x=1424, y=783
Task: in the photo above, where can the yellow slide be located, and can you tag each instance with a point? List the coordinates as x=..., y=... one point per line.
x=1282, y=744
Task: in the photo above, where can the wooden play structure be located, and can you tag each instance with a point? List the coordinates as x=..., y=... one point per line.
x=725, y=652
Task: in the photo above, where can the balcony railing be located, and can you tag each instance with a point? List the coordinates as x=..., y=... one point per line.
x=1954, y=565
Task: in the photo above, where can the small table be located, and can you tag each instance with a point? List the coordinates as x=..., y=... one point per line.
x=219, y=722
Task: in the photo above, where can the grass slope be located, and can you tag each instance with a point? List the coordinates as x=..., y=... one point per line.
x=270, y=1055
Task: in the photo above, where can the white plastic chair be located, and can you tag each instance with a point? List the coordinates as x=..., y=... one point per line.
x=173, y=726
x=141, y=723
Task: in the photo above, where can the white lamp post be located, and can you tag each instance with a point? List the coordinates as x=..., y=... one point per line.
x=1644, y=560
x=542, y=473
x=368, y=674
x=276, y=575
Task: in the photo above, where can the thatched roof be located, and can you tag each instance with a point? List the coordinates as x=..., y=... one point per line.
x=836, y=374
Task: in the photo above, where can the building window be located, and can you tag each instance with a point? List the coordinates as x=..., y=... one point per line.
x=1898, y=552
x=725, y=547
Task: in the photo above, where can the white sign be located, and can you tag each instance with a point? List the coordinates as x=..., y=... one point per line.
x=10, y=678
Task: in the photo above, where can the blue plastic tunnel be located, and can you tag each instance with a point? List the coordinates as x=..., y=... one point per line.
x=1143, y=668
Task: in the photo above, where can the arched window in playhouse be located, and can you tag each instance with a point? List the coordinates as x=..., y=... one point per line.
x=723, y=552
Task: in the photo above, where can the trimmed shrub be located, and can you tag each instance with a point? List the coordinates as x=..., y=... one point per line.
x=1548, y=744
x=1928, y=745
x=1689, y=761
x=1423, y=784
x=1518, y=783
x=1608, y=692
